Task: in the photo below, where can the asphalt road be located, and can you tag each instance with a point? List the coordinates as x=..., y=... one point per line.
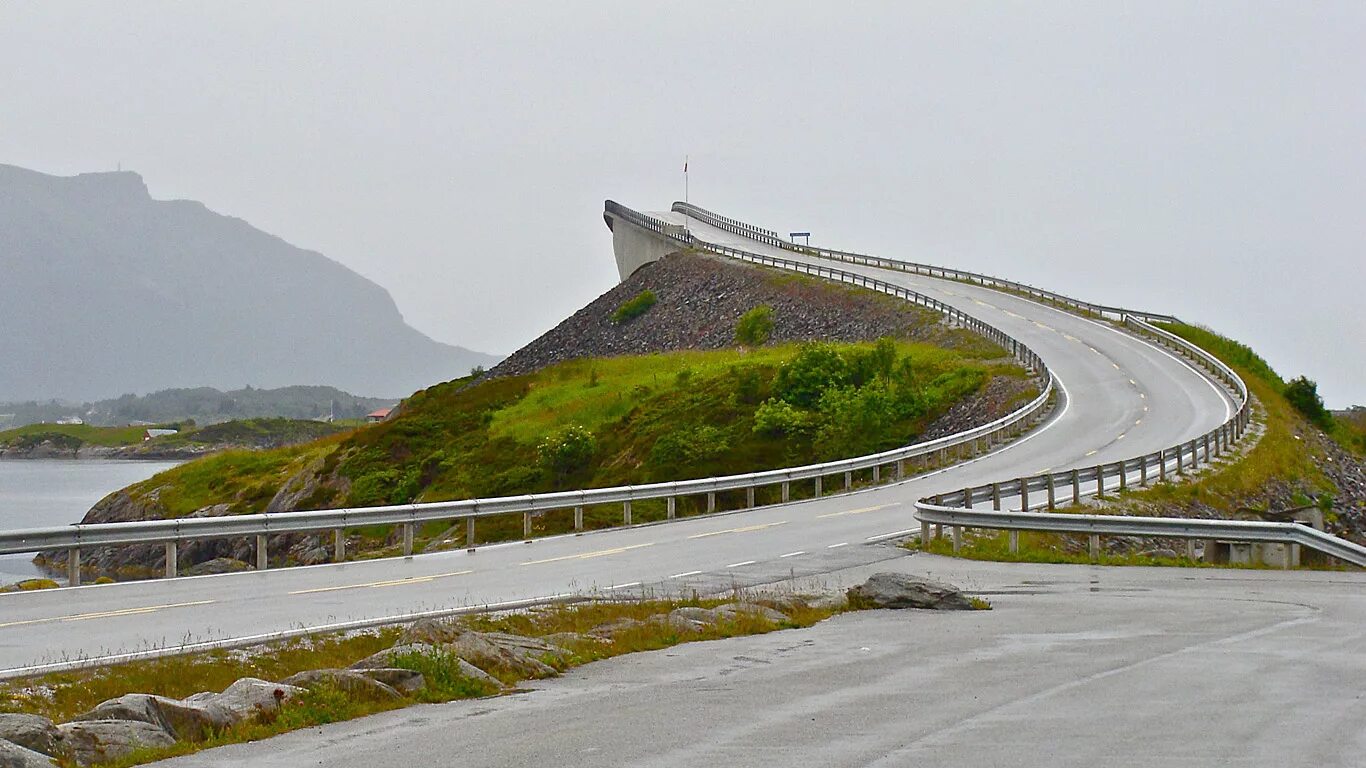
x=1124, y=397
x=1075, y=666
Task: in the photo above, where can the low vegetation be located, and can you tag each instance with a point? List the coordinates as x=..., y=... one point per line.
x=755, y=326
x=634, y=307
x=188, y=437
x=595, y=631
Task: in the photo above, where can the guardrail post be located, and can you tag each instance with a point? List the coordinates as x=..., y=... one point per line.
x=711, y=501
x=1052, y=493
x=1123, y=476
x=626, y=512
x=899, y=471
x=526, y=525
x=1143, y=471
x=408, y=538
x=924, y=534
x=1014, y=542
x=1024, y=494
x=1195, y=455
x=338, y=546
x=262, y=552
x=73, y=566
x=786, y=490
x=1206, y=439
x=957, y=538
x=877, y=474
x=469, y=530
x=1094, y=547
x=996, y=496
x=1100, y=482
x=1180, y=461
x=848, y=480
x=172, y=550
x=1076, y=486
x=1162, y=465
x=578, y=518
x=749, y=497
x=670, y=507
x=818, y=486
x=1190, y=549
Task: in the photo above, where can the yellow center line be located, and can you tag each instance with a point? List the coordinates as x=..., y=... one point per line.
x=746, y=529
x=1012, y=314
x=983, y=303
x=587, y=555
x=1070, y=337
x=375, y=584
x=1041, y=325
x=104, y=614
x=858, y=511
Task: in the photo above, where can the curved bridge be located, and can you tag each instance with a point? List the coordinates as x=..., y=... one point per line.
x=1116, y=395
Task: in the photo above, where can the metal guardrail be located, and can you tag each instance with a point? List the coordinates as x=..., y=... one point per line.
x=771, y=238
x=1159, y=465
x=171, y=532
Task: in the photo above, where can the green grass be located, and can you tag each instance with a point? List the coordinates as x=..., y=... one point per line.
x=634, y=307
x=1035, y=547
x=73, y=434
x=655, y=417
x=63, y=696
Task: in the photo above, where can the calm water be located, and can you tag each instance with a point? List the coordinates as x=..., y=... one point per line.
x=38, y=493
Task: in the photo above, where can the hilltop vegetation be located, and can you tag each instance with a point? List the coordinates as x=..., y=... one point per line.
x=595, y=423
x=86, y=441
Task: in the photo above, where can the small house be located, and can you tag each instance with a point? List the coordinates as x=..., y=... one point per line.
x=378, y=415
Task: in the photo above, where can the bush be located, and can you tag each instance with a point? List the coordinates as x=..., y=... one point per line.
x=634, y=307
x=1303, y=393
x=755, y=326
x=440, y=669
x=689, y=445
x=567, y=451
x=816, y=368
x=779, y=418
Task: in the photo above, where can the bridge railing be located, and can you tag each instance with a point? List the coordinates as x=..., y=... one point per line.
x=171, y=533
x=929, y=270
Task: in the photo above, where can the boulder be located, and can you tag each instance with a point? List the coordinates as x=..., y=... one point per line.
x=678, y=624
x=186, y=720
x=430, y=632
x=30, y=732
x=613, y=628
x=218, y=565
x=101, y=741
x=900, y=590
x=493, y=657
x=694, y=613
x=730, y=611
x=533, y=646
x=401, y=680
x=14, y=756
x=247, y=698
x=385, y=659
x=570, y=640
x=352, y=683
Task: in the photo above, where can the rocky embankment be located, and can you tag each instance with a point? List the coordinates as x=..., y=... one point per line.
x=699, y=300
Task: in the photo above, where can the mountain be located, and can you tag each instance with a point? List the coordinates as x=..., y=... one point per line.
x=105, y=291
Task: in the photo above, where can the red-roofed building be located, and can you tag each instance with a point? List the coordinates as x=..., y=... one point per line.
x=379, y=415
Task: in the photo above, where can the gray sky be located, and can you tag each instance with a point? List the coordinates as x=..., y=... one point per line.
x=1198, y=158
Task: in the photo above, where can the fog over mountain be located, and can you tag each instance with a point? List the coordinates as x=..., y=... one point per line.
x=104, y=291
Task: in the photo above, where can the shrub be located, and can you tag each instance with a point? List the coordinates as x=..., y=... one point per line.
x=1303, y=393
x=755, y=326
x=440, y=669
x=816, y=368
x=779, y=418
x=567, y=451
x=634, y=307
x=689, y=445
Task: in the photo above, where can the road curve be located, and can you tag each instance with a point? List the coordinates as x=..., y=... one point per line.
x=1125, y=396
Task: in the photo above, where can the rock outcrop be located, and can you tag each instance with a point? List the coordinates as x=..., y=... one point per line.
x=901, y=590
x=14, y=756
x=102, y=741
x=30, y=732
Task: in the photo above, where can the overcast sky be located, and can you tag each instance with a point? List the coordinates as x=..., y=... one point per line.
x=1207, y=160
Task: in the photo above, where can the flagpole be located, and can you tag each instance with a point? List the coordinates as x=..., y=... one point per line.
x=685, y=178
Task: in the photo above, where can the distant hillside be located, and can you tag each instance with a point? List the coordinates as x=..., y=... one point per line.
x=107, y=291
x=204, y=405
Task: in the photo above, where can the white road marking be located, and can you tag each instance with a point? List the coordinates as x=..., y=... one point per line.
x=1093, y=452
x=792, y=554
x=684, y=575
x=837, y=546
x=745, y=529
x=624, y=586
x=892, y=535
x=741, y=564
